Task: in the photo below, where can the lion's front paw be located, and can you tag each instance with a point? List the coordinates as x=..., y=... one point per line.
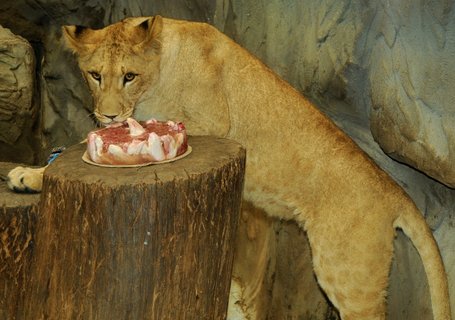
x=25, y=180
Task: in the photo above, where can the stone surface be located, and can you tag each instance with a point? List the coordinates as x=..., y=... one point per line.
x=17, y=108
x=66, y=104
x=411, y=81
x=381, y=69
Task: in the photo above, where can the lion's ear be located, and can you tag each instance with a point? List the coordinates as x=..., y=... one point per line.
x=78, y=38
x=151, y=28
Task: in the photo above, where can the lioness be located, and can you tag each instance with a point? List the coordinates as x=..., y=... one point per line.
x=300, y=166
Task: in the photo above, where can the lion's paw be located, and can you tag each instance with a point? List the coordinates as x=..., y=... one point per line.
x=25, y=180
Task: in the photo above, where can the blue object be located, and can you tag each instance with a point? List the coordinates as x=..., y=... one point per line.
x=54, y=154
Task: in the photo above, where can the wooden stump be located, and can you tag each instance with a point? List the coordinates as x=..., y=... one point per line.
x=137, y=243
x=18, y=214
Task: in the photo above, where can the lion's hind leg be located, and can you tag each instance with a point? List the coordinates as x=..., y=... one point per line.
x=352, y=268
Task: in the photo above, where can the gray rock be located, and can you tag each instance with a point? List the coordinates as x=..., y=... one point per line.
x=411, y=79
x=65, y=100
x=17, y=109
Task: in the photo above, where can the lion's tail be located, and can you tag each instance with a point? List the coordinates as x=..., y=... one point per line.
x=414, y=226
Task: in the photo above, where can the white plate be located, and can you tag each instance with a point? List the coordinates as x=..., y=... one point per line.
x=87, y=159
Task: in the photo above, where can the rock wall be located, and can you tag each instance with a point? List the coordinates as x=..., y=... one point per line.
x=381, y=69
x=17, y=106
x=411, y=76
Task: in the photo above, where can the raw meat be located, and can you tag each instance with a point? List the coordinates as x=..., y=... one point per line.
x=132, y=142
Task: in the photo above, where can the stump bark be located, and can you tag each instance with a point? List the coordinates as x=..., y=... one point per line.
x=18, y=214
x=153, y=242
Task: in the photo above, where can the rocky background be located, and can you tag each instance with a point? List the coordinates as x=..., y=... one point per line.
x=383, y=70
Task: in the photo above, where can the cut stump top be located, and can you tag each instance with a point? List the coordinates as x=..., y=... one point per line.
x=209, y=153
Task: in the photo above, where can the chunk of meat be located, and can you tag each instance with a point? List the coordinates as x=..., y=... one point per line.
x=133, y=142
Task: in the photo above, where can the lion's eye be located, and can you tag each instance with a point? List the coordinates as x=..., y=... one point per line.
x=129, y=76
x=95, y=75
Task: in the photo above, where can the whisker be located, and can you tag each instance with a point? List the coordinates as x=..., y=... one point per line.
x=94, y=119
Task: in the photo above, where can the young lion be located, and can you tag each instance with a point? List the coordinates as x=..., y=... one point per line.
x=300, y=166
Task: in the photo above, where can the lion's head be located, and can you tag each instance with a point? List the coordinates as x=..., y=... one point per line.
x=117, y=62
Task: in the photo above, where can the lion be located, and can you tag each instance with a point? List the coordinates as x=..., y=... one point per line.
x=300, y=165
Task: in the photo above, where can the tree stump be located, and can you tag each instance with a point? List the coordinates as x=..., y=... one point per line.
x=153, y=242
x=18, y=214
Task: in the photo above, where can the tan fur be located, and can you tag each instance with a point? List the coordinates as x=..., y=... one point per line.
x=300, y=166
x=23, y=179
